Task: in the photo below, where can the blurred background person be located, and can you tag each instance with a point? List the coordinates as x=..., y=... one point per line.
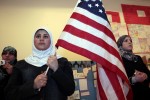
x=9, y=59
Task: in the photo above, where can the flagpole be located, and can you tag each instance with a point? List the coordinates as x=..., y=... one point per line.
x=47, y=69
x=76, y=5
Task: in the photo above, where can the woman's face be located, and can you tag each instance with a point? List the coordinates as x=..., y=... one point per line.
x=127, y=44
x=8, y=57
x=42, y=40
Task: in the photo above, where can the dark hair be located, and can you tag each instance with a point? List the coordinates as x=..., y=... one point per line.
x=11, y=50
x=121, y=39
x=41, y=29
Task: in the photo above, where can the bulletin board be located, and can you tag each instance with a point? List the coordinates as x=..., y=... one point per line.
x=85, y=80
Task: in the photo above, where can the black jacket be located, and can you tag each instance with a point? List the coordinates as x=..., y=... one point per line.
x=4, y=77
x=60, y=84
x=141, y=91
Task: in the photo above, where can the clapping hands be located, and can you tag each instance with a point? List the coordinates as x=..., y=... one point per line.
x=140, y=76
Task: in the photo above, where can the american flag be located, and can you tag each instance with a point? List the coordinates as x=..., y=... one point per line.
x=89, y=34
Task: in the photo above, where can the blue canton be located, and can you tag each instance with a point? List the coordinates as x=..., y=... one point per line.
x=94, y=6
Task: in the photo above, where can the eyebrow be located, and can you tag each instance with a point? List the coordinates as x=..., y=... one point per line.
x=43, y=34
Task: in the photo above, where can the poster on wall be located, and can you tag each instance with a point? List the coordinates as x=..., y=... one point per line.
x=141, y=37
x=113, y=16
x=135, y=14
x=118, y=28
x=85, y=80
x=137, y=19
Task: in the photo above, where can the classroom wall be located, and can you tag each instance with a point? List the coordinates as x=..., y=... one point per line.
x=20, y=18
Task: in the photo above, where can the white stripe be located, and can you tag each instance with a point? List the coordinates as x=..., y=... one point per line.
x=124, y=87
x=97, y=19
x=97, y=93
x=93, y=31
x=92, y=16
x=106, y=85
x=82, y=43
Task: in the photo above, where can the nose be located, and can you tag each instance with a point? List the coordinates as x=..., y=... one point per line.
x=7, y=54
x=129, y=41
x=41, y=38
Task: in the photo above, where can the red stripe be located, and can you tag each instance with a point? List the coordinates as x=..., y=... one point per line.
x=92, y=56
x=100, y=88
x=94, y=24
x=130, y=94
x=111, y=70
x=92, y=38
x=115, y=84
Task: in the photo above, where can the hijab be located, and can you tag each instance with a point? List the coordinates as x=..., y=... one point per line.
x=12, y=51
x=128, y=54
x=39, y=58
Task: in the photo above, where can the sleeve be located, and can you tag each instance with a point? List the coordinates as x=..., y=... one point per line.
x=64, y=77
x=142, y=67
x=16, y=89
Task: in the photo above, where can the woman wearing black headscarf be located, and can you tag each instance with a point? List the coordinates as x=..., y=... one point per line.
x=137, y=72
x=9, y=59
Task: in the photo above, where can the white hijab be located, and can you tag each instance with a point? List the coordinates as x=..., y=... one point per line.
x=39, y=57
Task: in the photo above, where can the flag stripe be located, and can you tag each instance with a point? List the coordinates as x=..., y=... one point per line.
x=89, y=34
x=115, y=83
x=93, y=17
x=101, y=94
x=106, y=85
x=94, y=21
x=109, y=81
x=100, y=39
x=95, y=54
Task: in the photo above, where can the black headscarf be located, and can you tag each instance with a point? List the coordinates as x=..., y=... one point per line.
x=12, y=51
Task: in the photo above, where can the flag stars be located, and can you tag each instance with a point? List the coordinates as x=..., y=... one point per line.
x=97, y=5
x=89, y=5
x=100, y=10
x=93, y=0
x=86, y=0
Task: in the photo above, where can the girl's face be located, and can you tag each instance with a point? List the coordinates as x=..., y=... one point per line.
x=127, y=44
x=42, y=40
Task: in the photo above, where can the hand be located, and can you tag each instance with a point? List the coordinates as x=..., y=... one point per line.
x=140, y=76
x=8, y=67
x=40, y=81
x=52, y=63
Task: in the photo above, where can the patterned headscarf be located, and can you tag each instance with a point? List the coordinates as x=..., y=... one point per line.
x=123, y=52
x=121, y=39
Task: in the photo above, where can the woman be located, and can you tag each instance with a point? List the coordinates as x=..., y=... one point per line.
x=9, y=57
x=31, y=81
x=137, y=72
